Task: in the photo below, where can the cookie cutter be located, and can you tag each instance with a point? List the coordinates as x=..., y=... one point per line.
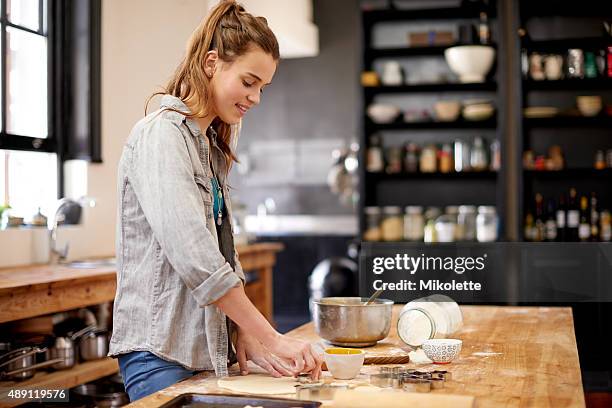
x=318, y=391
x=411, y=384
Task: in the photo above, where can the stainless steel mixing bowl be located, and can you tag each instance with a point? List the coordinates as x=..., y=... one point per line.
x=348, y=322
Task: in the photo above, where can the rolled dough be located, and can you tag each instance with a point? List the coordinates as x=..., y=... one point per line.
x=258, y=384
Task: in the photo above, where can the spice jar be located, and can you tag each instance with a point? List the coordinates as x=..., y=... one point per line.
x=600, y=160
x=486, y=224
x=429, y=233
x=372, y=224
x=428, y=160
x=462, y=156
x=411, y=158
x=446, y=159
x=435, y=316
x=394, y=160
x=392, y=226
x=575, y=63
x=445, y=228
x=466, y=223
x=478, y=155
x=414, y=223
x=375, y=161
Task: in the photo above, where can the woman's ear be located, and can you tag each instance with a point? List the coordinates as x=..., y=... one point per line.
x=210, y=63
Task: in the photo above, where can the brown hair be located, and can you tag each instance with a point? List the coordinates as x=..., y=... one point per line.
x=231, y=31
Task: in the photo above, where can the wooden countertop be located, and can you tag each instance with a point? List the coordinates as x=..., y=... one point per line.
x=511, y=357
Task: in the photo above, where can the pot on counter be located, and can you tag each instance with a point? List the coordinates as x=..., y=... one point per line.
x=348, y=322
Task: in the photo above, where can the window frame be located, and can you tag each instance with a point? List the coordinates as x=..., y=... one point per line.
x=73, y=132
x=12, y=141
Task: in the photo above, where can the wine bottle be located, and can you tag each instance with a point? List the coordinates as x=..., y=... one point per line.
x=539, y=218
x=594, y=218
x=551, y=223
x=584, y=227
x=561, y=218
x=573, y=216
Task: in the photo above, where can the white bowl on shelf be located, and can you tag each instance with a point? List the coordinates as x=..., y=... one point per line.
x=447, y=111
x=479, y=111
x=383, y=113
x=471, y=62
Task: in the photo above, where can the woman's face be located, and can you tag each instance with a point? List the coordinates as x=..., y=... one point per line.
x=237, y=86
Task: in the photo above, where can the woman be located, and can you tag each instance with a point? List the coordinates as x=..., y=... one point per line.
x=180, y=305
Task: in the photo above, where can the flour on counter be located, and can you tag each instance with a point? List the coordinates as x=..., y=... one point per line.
x=418, y=357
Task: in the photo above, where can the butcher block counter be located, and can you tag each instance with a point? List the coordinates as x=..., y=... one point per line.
x=511, y=357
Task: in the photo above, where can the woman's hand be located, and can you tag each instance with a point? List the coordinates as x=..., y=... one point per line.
x=249, y=348
x=300, y=353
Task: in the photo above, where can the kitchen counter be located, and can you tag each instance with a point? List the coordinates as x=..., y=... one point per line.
x=511, y=357
x=302, y=225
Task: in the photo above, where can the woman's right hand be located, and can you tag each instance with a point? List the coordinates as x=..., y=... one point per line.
x=300, y=353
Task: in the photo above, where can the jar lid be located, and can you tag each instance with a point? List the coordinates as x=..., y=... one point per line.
x=452, y=209
x=372, y=210
x=414, y=209
x=486, y=209
x=392, y=210
x=467, y=209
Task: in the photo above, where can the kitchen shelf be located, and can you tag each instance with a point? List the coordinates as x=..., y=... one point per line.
x=441, y=87
x=457, y=124
x=371, y=54
x=601, y=121
x=63, y=379
x=471, y=175
x=563, y=44
x=591, y=84
x=453, y=13
x=590, y=173
x=591, y=8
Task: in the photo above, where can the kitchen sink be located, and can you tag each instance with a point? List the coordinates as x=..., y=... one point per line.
x=92, y=263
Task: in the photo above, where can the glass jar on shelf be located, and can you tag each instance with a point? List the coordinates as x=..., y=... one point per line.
x=428, y=162
x=372, y=224
x=446, y=159
x=414, y=223
x=445, y=228
x=429, y=233
x=375, y=161
x=478, y=155
x=392, y=227
x=411, y=158
x=394, y=160
x=486, y=224
x=435, y=316
x=466, y=222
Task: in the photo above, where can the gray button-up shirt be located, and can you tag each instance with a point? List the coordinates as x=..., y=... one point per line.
x=172, y=261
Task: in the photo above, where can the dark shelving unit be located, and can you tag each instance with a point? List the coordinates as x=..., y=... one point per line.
x=457, y=124
x=600, y=121
x=441, y=87
x=471, y=175
x=586, y=84
x=604, y=174
x=429, y=189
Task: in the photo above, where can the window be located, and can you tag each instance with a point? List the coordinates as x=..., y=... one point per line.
x=49, y=97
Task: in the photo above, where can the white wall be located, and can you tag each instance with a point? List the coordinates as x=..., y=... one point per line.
x=142, y=43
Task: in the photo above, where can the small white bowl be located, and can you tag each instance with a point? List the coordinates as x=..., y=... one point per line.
x=447, y=111
x=442, y=351
x=382, y=113
x=344, y=363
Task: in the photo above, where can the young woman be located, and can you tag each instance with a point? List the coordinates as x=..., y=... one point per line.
x=180, y=305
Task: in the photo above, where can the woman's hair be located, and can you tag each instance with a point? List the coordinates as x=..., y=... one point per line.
x=232, y=32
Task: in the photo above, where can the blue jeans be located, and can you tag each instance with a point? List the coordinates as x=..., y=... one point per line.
x=144, y=373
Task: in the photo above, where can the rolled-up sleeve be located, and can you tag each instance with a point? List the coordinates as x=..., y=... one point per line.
x=162, y=178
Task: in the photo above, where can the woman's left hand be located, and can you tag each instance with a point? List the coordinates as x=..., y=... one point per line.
x=249, y=348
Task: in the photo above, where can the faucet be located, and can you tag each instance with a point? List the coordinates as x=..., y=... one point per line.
x=65, y=206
